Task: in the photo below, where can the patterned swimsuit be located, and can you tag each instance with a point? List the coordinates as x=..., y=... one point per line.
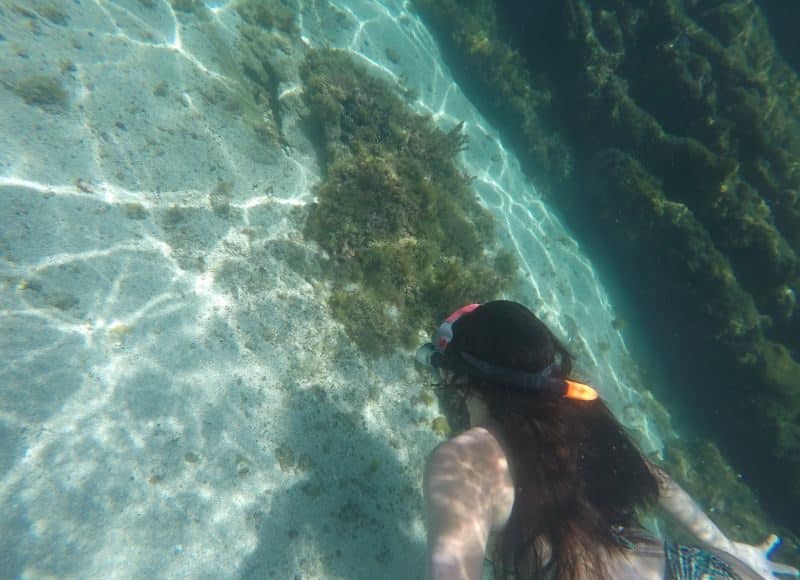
x=682, y=562
x=690, y=563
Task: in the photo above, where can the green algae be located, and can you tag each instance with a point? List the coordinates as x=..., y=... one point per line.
x=424, y=398
x=270, y=14
x=512, y=93
x=242, y=465
x=269, y=33
x=441, y=426
x=779, y=413
x=406, y=238
x=135, y=211
x=285, y=457
x=253, y=70
x=219, y=198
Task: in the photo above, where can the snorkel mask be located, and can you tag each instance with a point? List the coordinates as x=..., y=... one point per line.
x=432, y=354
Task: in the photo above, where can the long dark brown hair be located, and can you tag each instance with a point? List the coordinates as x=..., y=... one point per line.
x=577, y=474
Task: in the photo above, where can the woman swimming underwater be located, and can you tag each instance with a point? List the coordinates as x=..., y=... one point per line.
x=549, y=473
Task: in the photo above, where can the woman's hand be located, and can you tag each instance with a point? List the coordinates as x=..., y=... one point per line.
x=757, y=557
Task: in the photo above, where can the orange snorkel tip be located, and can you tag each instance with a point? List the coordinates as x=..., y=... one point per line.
x=580, y=391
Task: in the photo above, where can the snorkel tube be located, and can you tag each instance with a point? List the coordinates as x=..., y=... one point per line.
x=432, y=354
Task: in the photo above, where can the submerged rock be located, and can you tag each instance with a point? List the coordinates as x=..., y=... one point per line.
x=407, y=239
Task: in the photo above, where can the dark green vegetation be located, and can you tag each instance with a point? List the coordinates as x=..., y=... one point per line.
x=269, y=35
x=407, y=240
x=669, y=136
x=511, y=93
x=269, y=15
x=783, y=18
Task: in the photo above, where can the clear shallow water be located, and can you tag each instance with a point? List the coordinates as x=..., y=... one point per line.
x=176, y=400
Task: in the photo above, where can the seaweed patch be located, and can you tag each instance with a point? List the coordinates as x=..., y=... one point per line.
x=407, y=239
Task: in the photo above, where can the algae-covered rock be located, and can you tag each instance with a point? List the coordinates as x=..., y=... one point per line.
x=513, y=94
x=269, y=14
x=441, y=426
x=407, y=239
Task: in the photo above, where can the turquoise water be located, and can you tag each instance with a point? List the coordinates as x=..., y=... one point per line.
x=177, y=398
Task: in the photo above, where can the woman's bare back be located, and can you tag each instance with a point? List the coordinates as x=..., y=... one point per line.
x=645, y=560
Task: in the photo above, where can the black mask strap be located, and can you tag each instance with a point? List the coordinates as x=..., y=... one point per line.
x=541, y=381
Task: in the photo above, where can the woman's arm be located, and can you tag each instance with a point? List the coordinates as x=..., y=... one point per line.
x=679, y=504
x=458, y=485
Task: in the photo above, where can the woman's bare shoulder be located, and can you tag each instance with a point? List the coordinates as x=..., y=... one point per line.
x=475, y=446
x=476, y=455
